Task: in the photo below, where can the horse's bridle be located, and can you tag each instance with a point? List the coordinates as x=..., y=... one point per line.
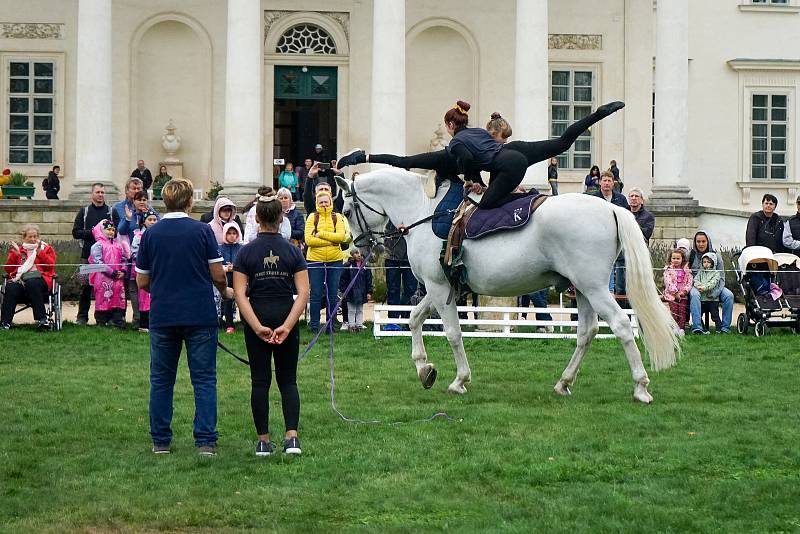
x=368, y=237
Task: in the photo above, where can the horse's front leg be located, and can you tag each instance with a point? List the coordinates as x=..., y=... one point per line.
x=426, y=371
x=452, y=329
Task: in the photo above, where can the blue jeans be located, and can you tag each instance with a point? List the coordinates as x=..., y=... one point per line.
x=616, y=283
x=201, y=354
x=539, y=300
x=400, y=285
x=324, y=280
x=725, y=299
x=553, y=187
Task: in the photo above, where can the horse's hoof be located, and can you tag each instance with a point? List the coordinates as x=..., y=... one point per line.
x=456, y=390
x=562, y=389
x=427, y=375
x=643, y=396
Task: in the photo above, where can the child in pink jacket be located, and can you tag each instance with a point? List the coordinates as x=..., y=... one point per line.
x=677, y=284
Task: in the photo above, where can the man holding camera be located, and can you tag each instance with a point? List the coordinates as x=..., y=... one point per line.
x=320, y=171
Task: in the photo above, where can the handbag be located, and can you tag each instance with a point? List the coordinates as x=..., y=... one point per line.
x=30, y=275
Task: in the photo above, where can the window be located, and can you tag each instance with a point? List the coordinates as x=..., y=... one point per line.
x=775, y=2
x=571, y=99
x=31, y=88
x=305, y=39
x=769, y=115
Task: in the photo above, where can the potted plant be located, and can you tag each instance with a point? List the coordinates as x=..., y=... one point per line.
x=213, y=191
x=18, y=186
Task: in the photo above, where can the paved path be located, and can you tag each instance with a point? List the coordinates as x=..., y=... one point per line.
x=70, y=311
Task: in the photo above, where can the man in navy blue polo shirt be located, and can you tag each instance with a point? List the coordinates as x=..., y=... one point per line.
x=178, y=262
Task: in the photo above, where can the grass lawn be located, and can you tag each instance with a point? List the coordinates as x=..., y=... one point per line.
x=717, y=451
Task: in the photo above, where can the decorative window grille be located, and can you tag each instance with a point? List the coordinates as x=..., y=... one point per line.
x=31, y=89
x=306, y=39
x=571, y=98
x=769, y=130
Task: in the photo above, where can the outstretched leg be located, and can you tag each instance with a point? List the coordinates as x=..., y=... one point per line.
x=425, y=370
x=438, y=294
x=536, y=151
x=587, y=329
x=605, y=305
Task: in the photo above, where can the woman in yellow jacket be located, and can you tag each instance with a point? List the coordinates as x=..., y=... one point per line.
x=325, y=232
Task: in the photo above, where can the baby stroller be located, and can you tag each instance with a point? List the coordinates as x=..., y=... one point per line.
x=756, y=272
x=788, y=279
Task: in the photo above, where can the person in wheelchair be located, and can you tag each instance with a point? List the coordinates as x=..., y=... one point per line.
x=30, y=268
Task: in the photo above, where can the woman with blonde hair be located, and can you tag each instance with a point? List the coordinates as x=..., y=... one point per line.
x=324, y=233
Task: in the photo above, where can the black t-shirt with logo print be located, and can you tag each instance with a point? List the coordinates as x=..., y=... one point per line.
x=270, y=263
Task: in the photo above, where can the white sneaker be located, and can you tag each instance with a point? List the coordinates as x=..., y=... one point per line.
x=345, y=327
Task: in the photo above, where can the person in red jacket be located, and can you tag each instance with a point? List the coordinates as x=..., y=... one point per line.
x=30, y=268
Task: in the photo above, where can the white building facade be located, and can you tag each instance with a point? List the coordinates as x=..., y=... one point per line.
x=710, y=123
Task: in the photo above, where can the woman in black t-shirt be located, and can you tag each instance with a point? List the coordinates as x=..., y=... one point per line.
x=265, y=273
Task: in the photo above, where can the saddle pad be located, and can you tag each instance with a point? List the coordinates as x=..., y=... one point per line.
x=510, y=216
x=441, y=223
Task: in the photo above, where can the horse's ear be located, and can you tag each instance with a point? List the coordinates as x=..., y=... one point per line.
x=343, y=183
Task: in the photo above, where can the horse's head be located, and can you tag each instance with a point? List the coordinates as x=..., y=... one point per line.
x=364, y=212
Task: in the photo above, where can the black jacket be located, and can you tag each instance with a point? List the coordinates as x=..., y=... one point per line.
x=309, y=201
x=646, y=222
x=51, y=186
x=616, y=199
x=144, y=176
x=765, y=231
x=86, y=219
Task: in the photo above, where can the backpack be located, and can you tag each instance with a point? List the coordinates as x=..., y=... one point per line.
x=344, y=245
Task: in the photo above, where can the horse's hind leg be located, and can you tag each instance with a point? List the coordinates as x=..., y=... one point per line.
x=587, y=329
x=620, y=324
x=452, y=328
x=425, y=370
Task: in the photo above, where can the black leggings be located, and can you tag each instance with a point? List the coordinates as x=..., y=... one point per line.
x=439, y=161
x=260, y=354
x=536, y=151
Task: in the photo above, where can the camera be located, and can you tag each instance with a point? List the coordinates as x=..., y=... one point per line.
x=324, y=166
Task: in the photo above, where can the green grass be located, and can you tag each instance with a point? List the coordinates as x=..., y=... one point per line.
x=718, y=451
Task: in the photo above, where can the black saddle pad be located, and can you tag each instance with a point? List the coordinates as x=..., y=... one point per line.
x=511, y=216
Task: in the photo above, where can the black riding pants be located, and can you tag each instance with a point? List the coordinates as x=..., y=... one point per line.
x=260, y=353
x=536, y=151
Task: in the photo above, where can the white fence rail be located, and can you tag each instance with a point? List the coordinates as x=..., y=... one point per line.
x=562, y=325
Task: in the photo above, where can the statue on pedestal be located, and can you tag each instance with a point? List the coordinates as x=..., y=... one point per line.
x=171, y=143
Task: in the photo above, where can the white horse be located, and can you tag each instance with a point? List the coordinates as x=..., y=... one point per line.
x=571, y=239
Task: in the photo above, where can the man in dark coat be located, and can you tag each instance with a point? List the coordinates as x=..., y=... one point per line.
x=143, y=173
x=85, y=220
x=765, y=227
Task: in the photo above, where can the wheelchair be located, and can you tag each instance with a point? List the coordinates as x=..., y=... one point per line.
x=52, y=305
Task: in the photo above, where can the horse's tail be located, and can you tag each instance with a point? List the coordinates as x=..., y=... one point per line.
x=657, y=327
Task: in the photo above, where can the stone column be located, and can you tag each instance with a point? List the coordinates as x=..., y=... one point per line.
x=531, y=81
x=244, y=169
x=671, y=185
x=93, y=99
x=388, y=107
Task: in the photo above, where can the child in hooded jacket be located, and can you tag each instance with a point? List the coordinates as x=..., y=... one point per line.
x=360, y=293
x=109, y=284
x=706, y=281
x=677, y=284
x=229, y=250
x=149, y=218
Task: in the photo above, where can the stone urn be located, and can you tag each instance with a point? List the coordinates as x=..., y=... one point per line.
x=171, y=143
